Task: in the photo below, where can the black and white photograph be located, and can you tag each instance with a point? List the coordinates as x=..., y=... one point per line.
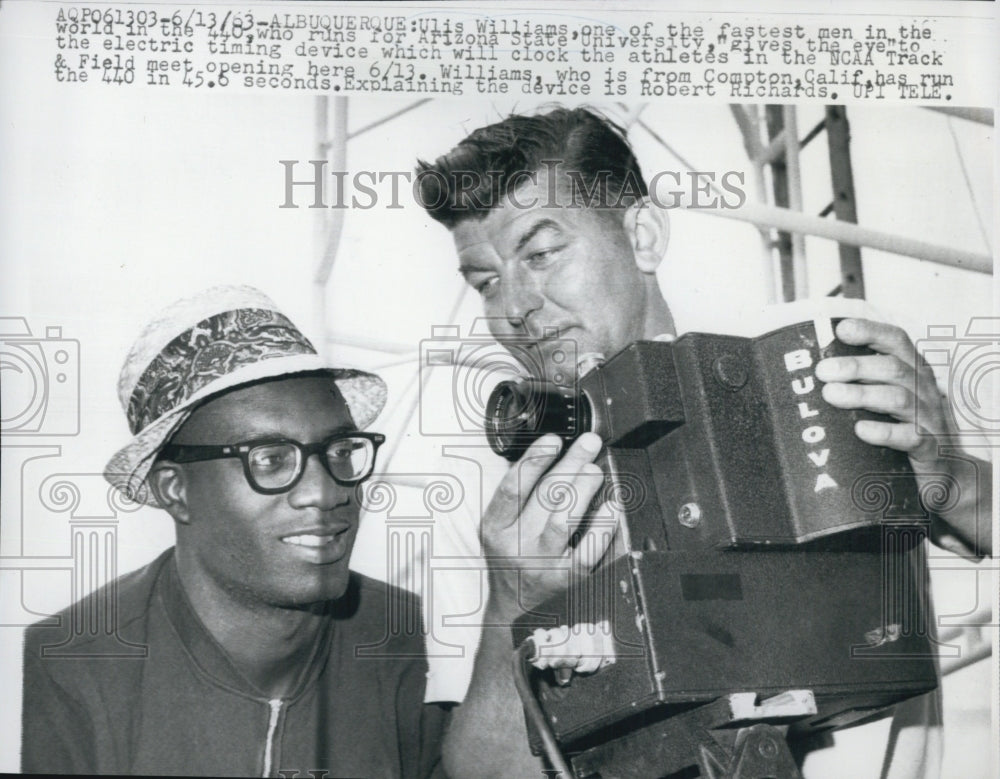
x=559, y=390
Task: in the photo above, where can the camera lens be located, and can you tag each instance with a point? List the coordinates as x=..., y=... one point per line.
x=520, y=411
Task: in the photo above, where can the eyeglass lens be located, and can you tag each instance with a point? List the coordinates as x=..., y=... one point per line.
x=277, y=465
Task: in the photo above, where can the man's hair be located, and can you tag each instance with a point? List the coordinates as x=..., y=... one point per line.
x=588, y=151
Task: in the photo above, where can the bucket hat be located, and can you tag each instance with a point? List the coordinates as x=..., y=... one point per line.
x=221, y=338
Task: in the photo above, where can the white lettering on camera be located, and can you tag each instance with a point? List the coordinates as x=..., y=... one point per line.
x=800, y=360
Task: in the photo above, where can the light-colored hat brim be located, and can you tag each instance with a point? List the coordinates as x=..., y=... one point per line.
x=364, y=393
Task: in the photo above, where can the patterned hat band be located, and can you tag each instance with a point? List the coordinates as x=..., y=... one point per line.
x=213, y=348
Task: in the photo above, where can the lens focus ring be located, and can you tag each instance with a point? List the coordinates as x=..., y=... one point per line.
x=518, y=412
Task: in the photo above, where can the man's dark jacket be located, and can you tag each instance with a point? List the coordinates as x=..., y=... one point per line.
x=357, y=709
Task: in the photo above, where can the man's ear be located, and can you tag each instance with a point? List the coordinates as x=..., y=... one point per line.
x=648, y=230
x=166, y=480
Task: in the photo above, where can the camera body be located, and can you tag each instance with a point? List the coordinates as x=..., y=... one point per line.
x=41, y=380
x=766, y=547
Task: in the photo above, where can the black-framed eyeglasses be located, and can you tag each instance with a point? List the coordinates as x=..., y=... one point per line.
x=273, y=466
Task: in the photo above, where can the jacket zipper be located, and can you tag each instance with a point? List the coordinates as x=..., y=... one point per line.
x=272, y=727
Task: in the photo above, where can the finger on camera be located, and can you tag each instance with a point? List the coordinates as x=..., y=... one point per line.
x=583, y=450
x=879, y=336
x=557, y=504
x=588, y=482
x=594, y=542
x=574, y=491
x=515, y=488
x=562, y=498
x=904, y=436
x=867, y=369
x=888, y=399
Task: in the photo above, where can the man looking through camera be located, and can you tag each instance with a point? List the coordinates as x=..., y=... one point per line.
x=554, y=228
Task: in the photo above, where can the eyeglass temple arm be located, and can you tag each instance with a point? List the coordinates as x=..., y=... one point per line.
x=197, y=452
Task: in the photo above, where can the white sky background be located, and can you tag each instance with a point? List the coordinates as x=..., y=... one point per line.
x=113, y=204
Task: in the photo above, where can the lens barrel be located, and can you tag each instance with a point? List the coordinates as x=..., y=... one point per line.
x=521, y=410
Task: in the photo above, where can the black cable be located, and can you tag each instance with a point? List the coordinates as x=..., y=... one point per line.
x=522, y=655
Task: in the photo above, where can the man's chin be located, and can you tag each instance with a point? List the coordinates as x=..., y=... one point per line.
x=331, y=586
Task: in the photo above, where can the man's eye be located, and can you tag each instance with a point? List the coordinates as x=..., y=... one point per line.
x=270, y=459
x=487, y=287
x=543, y=256
x=344, y=450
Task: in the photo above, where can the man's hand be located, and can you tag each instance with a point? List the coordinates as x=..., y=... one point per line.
x=889, y=382
x=536, y=535
x=896, y=382
x=535, y=532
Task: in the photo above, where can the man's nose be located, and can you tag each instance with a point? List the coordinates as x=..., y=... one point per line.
x=317, y=488
x=521, y=297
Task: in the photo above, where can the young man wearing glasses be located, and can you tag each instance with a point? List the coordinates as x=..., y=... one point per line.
x=264, y=654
